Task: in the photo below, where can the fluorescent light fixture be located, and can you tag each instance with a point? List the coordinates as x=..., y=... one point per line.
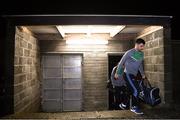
x=87, y=42
x=61, y=31
x=116, y=30
x=88, y=29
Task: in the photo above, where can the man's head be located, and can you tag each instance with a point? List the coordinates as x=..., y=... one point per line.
x=139, y=44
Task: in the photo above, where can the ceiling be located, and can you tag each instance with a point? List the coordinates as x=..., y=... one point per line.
x=43, y=29
x=112, y=30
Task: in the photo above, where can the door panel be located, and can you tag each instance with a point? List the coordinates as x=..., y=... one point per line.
x=52, y=72
x=72, y=105
x=51, y=106
x=52, y=83
x=62, y=87
x=52, y=61
x=72, y=94
x=72, y=72
x=72, y=61
x=52, y=94
x=72, y=97
x=72, y=83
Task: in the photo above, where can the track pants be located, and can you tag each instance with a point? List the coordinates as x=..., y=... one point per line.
x=121, y=95
x=133, y=86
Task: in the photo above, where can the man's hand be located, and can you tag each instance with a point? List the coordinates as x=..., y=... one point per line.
x=145, y=80
x=144, y=77
x=116, y=76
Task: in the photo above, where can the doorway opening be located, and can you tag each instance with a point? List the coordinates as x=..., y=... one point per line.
x=113, y=60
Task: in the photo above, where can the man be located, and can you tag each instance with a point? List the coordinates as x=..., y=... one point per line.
x=132, y=63
x=120, y=88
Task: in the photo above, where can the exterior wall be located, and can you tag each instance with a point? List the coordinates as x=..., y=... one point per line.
x=176, y=71
x=95, y=67
x=26, y=72
x=155, y=62
x=168, y=79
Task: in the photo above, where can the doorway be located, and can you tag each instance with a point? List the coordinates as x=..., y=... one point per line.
x=61, y=84
x=113, y=59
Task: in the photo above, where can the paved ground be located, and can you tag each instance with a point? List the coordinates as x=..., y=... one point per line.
x=101, y=115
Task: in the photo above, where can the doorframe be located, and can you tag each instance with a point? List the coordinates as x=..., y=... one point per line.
x=82, y=74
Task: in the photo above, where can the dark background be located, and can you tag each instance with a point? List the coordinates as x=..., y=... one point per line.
x=122, y=7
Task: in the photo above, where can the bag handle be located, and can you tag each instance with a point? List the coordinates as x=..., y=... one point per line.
x=147, y=83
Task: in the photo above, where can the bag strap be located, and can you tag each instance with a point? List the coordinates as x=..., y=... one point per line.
x=147, y=83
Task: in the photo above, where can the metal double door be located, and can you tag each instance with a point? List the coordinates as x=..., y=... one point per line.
x=61, y=84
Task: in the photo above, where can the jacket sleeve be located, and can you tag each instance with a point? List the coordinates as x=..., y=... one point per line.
x=112, y=73
x=141, y=69
x=120, y=68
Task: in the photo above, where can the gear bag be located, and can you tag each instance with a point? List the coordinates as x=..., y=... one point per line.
x=149, y=95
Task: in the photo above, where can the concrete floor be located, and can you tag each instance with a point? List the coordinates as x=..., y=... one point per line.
x=157, y=113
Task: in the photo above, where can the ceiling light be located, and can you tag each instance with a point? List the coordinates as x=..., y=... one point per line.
x=88, y=29
x=87, y=42
x=61, y=31
x=116, y=30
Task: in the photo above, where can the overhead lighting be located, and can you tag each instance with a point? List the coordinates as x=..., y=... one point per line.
x=87, y=42
x=61, y=31
x=116, y=30
x=88, y=29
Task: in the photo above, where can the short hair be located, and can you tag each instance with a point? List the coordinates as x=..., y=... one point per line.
x=139, y=41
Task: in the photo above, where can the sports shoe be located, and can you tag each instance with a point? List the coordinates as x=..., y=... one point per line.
x=136, y=110
x=122, y=106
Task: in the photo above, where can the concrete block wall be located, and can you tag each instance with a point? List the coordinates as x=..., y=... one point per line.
x=26, y=72
x=154, y=63
x=95, y=67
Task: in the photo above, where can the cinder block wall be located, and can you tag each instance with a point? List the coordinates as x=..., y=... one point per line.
x=26, y=72
x=155, y=63
x=95, y=67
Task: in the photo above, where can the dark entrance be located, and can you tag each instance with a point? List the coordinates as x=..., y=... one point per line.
x=112, y=61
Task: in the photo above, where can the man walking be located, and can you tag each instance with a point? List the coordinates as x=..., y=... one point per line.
x=130, y=64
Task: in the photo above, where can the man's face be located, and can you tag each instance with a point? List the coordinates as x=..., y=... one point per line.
x=140, y=46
